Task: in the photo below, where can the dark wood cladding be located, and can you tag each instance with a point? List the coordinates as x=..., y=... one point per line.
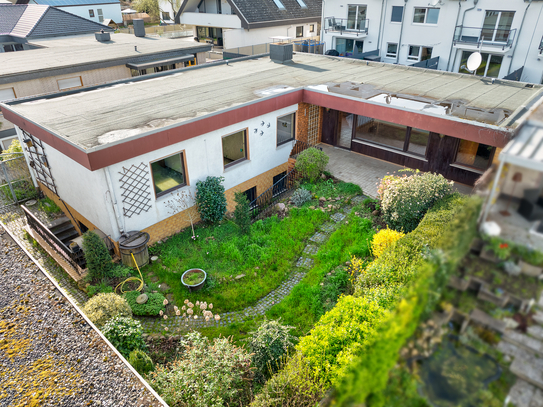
x=387, y=155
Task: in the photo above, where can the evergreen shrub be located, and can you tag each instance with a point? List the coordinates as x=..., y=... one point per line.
x=210, y=199
x=141, y=362
x=242, y=216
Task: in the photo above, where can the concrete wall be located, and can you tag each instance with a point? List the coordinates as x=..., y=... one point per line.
x=112, y=11
x=234, y=38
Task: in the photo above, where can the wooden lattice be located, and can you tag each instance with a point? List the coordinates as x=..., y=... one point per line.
x=135, y=190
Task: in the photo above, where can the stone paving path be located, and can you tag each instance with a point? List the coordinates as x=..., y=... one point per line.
x=178, y=324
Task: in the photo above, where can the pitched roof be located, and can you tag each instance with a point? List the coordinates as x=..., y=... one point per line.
x=39, y=21
x=262, y=13
x=65, y=3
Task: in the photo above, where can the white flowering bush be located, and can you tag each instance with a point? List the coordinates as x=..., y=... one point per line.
x=405, y=200
x=125, y=333
x=206, y=375
x=194, y=311
x=105, y=306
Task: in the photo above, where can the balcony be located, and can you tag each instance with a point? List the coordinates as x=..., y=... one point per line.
x=345, y=25
x=486, y=37
x=211, y=20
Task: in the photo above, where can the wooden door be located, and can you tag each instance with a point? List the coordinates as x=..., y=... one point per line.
x=330, y=126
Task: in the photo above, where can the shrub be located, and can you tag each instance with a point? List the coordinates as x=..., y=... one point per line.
x=141, y=362
x=205, y=375
x=383, y=240
x=49, y=206
x=210, y=199
x=242, y=216
x=153, y=306
x=125, y=334
x=99, y=264
x=102, y=307
x=103, y=287
x=311, y=163
x=405, y=200
x=300, y=196
x=269, y=343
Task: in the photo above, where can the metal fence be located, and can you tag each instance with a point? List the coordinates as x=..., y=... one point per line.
x=15, y=180
x=166, y=31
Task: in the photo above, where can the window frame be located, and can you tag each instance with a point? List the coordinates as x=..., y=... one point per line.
x=388, y=54
x=100, y=13
x=73, y=87
x=356, y=21
x=419, y=56
x=91, y=13
x=392, y=13
x=311, y=28
x=165, y=14
x=301, y=34
x=185, y=175
x=295, y=113
x=12, y=91
x=426, y=10
x=487, y=66
x=246, y=158
x=468, y=167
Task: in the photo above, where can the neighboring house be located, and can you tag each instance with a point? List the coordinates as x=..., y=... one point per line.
x=94, y=10
x=56, y=59
x=240, y=23
x=117, y=157
x=441, y=34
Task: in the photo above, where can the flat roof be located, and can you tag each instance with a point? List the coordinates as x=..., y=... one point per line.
x=128, y=110
x=83, y=51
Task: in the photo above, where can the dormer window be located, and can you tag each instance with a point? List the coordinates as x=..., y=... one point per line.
x=279, y=4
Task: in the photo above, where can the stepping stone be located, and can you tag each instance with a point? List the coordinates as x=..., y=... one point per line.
x=358, y=199
x=338, y=217
x=154, y=258
x=536, y=331
x=240, y=276
x=153, y=279
x=318, y=237
x=524, y=341
x=486, y=320
x=142, y=299
x=510, y=349
x=347, y=209
x=164, y=287
x=311, y=249
x=529, y=369
x=328, y=227
x=305, y=262
x=521, y=394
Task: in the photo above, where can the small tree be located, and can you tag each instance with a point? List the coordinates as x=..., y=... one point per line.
x=150, y=7
x=210, y=199
x=183, y=201
x=99, y=262
x=311, y=163
x=242, y=217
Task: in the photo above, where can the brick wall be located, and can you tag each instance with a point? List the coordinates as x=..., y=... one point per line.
x=309, y=123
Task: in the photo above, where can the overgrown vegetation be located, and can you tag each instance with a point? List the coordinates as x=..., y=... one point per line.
x=153, y=306
x=141, y=362
x=311, y=163
x=300, y=196
x=210, y=199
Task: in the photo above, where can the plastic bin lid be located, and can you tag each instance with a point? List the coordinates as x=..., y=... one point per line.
x=133, y=240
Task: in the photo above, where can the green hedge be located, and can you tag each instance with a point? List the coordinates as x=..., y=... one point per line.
x=152, y=307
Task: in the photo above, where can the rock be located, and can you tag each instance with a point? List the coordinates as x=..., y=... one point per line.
x=329, y=206
x=153, y=279
x=240, y=276
x=47, y=204
x=510, y=323
x=511, y=268
x=375, y=213
x=280, y=207
x=322, y=199
x=311, y=207
x=323, y=177
x=257, y=268
x=31, y=202
x=164, y=287
x=347, y=263
x=142, y=299
x=154, y=258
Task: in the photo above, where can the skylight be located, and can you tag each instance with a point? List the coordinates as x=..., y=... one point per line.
x=301, y=3
x=279, y=4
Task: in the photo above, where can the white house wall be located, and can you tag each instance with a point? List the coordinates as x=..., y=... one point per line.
x=234, y=38
x=112, y=11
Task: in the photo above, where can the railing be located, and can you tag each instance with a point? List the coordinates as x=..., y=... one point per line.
x=76, y=260
x=348, y=25
x=302, y=44
x=541, y=46
x=300, y=146
x=431, y=63
x=496, y=37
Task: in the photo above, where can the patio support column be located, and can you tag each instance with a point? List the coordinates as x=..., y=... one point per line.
x=493, y=192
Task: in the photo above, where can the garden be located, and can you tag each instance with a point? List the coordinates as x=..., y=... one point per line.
x=331, y=297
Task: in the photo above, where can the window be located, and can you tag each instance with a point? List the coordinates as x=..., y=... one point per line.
x=234, y=148
x=168, y=174
x=311, y=28
x=474, y=154
x=69, y=83
x=397, y=14
x=279, y=4
x=417, y=53
x=147, y=71
x=250, y=194
x=392, y=50
x=91, y=13
x=285, y=128
x=7, y=94
x=6, y=142
x=11, y=47
x=299, y=31
x=490, y=65
x=356, y=18
x=392, y=135
x=302, y=4
x=497, y=26
x=426, y=15
x=165, y=15
x=100, y=15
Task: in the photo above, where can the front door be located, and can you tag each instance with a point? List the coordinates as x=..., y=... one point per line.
x=330, y=126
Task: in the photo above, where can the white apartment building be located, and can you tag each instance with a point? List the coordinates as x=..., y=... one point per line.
x=441, y=34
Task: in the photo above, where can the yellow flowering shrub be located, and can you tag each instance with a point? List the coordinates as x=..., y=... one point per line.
x=383, y=240
x=356, y=268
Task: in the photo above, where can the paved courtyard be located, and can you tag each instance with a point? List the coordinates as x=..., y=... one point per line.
x=365, y=171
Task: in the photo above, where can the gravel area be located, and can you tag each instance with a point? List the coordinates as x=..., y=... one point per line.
x=49, y=354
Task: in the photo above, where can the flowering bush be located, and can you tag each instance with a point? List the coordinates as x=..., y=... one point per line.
x=405, y=200
x=301, y=196
x=141, y=361
x=125, y=334
x=206, y=375
x=152, y=307
x=383, y=240
x=191, y=311
x=102, y=307
x=500, y=248
x=268, y=344
x=210, y=199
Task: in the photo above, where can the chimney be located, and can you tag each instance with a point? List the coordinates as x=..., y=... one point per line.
x=102, y=36
x=281, y=53
x=139, y=27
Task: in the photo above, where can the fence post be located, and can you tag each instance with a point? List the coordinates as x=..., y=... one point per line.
x=9, y=182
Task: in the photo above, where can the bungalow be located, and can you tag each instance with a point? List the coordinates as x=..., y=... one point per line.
x=115, y=153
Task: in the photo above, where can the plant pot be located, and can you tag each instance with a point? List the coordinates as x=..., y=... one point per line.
x=197, y=286
x=528, y=269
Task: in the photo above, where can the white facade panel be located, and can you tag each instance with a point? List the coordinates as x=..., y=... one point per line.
x=242, y=38
x=96, y=12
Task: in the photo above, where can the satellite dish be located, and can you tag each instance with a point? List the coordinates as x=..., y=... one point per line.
x=474, y=61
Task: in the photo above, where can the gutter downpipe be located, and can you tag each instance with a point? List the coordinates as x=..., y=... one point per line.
x=118, y=217
x=401, y=32
x=455, y=25
x=463, y=18
x=381, y=24
x=518, y=38
x=322, y=26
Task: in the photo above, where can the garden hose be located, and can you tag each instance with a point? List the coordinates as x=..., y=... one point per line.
x=140, y=287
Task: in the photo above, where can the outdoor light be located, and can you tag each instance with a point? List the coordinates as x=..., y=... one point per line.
x=28, y=142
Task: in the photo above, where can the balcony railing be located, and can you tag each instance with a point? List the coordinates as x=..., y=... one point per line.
x=347, y=25
x=486, y=36
x=541, y=46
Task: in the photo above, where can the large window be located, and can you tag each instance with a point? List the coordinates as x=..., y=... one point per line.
x=392, y=50
x=497, y=25
x=397, y=14
x=346, y=46
x=165, y=15
x=100, y=15
x=426, y=15
x=417, y=53
x=168, y=174
x=285, y=128
x=299, y=31
x=490, y=65
x=392, y=135
x=356, y=18
x=234, y=148
x=155, y=69
x=474, y=154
